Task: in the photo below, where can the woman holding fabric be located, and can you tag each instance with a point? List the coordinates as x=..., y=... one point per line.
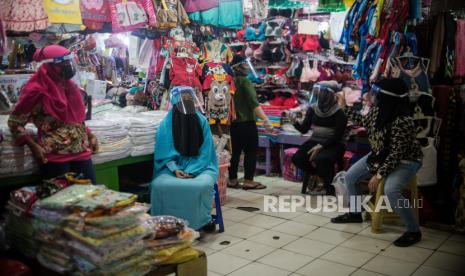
x=395, y=157
x=325, y=147
x=186, y=166
x=54, y=104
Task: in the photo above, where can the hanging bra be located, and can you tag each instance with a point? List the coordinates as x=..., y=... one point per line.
x=310, y=74
x=291, y=72
x=274, y=52
x=255, y=34
x=248, y=51
x=274, y=27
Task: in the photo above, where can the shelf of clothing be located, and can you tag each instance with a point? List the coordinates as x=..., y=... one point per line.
x=106, y=173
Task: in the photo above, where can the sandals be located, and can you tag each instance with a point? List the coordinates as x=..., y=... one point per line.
x=252, y=185
x=234, y=184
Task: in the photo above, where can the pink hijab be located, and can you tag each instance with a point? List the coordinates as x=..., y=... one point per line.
x=59, y=98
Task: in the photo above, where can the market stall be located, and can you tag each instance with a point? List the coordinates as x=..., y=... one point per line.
x=160, y=101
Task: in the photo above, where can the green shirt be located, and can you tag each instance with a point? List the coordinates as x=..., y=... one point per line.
x=245, y=100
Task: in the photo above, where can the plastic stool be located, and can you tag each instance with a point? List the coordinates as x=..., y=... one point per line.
x=218, y=218
x=378, y=217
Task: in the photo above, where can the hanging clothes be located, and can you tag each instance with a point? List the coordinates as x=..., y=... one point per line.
x=60, y=12
x=460, y=49
x=438, y=40
x=331, y=5
x=23, y=15
x=185, y=71
x=95, y=13
x=199, y=5
x=228, y=14
x=217, y=51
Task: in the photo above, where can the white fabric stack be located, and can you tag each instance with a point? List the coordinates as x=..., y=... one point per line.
x=15, y=160
x=141, y=127
x=142, y=132
x=113, y=140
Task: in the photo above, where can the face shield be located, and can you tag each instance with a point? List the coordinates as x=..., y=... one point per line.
x=66, y=65
x=320, y=89
x=246, y=66
x=372, y=96
x=185, y=100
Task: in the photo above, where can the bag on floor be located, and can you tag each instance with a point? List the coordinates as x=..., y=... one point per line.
x=427, y=174
x=290, y=171
x=340, y=187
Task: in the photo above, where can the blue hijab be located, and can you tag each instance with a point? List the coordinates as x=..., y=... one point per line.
x=165, y=151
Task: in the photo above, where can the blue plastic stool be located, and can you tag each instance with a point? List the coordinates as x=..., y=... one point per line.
x=218, y=218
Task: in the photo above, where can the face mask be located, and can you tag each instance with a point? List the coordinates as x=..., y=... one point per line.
x=67, y=70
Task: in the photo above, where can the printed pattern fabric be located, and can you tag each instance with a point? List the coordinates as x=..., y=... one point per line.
x=94, y=13
x=54, y=135
x=185, y=71
x=23, y=15
x=402, y=145
x=131, y=15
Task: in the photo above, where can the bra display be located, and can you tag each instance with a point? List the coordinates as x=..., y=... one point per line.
x=310, y=74
x=255, y=34
x=274, y=27
x=274, y=52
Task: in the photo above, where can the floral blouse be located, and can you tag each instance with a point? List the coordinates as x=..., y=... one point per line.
x=55, y=136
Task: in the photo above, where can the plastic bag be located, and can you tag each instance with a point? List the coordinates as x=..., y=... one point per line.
x=166, y=226
x=339, y=184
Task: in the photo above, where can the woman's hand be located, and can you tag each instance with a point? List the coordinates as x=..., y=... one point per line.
x=373, y=184
x=38, y=153
x=93, y=143
x=181, y=174
x=313, y=152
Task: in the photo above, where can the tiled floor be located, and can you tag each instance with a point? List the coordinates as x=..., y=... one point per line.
x=302, y=243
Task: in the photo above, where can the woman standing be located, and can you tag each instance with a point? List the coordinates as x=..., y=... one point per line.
x=325, y=147
x=54, y=104
x=395, y=157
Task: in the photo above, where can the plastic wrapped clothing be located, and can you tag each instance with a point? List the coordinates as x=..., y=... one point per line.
x=189, y=199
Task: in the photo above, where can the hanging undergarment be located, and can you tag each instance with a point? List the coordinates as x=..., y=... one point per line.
x=420, y=93
x=274, y=52
x=310, y=74
x=274, y=27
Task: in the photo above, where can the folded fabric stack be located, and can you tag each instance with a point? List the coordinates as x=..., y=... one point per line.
x=274, y=114
x=19, y=223
x=141, y=128
x=91, y=230
x=142, y=131
x=113, y=140
x=15, y=160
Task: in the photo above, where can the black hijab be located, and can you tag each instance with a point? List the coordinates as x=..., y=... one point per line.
x=187, y=131
x=390, y=107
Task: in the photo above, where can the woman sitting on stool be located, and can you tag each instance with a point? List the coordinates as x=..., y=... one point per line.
x=319, y=154
x=186, y=166
x=395, y=157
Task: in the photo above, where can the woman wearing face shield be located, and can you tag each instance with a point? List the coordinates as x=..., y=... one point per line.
x=244, y=133
x=395, y=157
x=54, y=104
x=186, y=166
x=320, y=153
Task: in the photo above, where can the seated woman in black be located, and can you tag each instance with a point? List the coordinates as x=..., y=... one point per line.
x=319, y=154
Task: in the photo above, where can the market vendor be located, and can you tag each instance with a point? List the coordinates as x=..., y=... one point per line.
x=186, y=166
x=54, y=104
x=319, y=154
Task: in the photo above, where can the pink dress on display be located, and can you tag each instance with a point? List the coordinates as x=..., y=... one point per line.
x=23, y=15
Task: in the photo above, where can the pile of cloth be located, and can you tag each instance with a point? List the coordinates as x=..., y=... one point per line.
x=274, y=114
x=140, y=126
x=113, y=140
x=142, y=132
x=15, y=160
x=84, y=229
x=19, y=223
